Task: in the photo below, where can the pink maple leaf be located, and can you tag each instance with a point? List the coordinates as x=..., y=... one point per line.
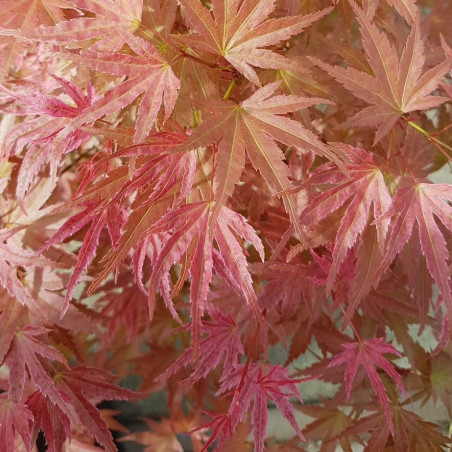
x=38, y=135
x=113, y=23
x=368, y=353
x=258, y=383
x=223, y=338
x=15, y=419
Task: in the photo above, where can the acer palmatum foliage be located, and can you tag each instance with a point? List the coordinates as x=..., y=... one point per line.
x=187, y=184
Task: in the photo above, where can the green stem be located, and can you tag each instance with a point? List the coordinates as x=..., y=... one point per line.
x=419, y=128
x=440, y=144
x=228, y=91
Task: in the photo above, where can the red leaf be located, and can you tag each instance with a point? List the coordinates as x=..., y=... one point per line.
x=368, y=353
x=223, y=338
x=259, y=383
x=112, y=25
x=51, y=420
x=422, y=203
x=241, y=29
x=398, y=86
x=257, y=123
x=84, y=387
x=193, y=231
x=24, y=352
x=363, y=192
x=15, y=419
x=148, y=73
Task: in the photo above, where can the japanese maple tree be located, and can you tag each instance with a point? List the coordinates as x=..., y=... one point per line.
x=225, y=199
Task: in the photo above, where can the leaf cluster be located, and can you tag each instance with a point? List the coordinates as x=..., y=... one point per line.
x=187, y=186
